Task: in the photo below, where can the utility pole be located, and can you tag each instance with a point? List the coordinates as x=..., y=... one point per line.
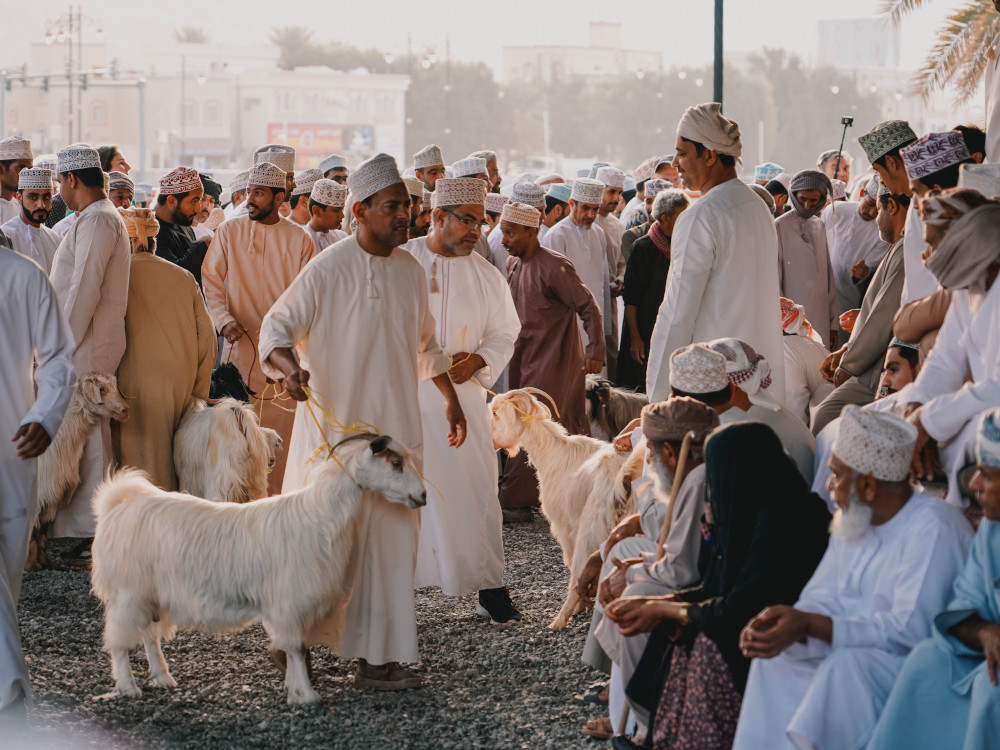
x=69, y=77
x=717, y=80
x=180, y=157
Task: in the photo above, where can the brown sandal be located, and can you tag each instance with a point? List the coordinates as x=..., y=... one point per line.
x=599, y=729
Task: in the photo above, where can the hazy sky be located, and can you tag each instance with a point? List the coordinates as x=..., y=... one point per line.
x=477, y=30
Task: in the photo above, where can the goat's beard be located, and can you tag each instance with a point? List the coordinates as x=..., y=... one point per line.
x=663, y=478
x=852, y=524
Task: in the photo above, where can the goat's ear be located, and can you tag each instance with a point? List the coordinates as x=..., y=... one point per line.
x=241, y=420
x=380, y=444
x=90, y=390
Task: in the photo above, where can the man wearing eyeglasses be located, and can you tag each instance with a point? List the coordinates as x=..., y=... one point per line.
x=461, y=544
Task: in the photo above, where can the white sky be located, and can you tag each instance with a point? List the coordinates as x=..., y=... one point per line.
x=478, y=30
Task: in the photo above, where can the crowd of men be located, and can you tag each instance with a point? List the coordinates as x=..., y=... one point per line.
x=820, y=350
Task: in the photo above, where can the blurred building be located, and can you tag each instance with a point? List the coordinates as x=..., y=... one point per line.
x=857, y=42
x=209, y=106
x=603, y=57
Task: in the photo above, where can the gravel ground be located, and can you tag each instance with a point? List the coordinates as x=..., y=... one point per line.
x=484, y=686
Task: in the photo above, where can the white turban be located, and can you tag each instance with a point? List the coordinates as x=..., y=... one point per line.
x=705, y=124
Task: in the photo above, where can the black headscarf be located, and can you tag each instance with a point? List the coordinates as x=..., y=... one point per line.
x=769, y=533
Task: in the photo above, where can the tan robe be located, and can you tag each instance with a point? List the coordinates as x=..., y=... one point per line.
x=169, y=353
x=247, y=268
x=90, y=276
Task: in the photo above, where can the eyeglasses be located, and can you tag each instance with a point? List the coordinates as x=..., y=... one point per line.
x=467, y=221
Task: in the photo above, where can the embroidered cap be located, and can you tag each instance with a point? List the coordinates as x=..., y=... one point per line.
x=698, y=369
x=520, y=213
x=876, y=444
x=588, y=191
x=275, y=153
x=77, y=156
x=269, y=175
x=428, y=156
x=468, y=167
x=886, y=136
x=531, y=194
x=15, y=148
x=372, y=175
x=934, y=152
x=180, y=180
x=333, y=161
x=305, y=180
x=329, y=193
x=611, y=177
x=767, y=171
x=34, y=179
x=459, y=191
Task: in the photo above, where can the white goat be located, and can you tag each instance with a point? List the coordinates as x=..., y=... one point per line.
x=166, y=560
x=611, y=409
x=585, y=485
x=95, y=396
x=222, y=453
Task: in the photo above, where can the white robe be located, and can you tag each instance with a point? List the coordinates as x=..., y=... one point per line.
x=805, y=386
x=461, y=538
x=542, y=231
x=498, y=253
x=993, y=103
x=723, y=281
x=90, y=276
x=967, y=343
x=361, y=326
x=63, y=225
x=882, y=593
x=9, y=209
x=33, y=329
x=804, y=270
x=850, y=239
x=586, y=251
x=919, y=281
x=323, y=240
x=38, y=243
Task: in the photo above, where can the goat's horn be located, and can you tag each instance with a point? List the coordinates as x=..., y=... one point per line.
x=369, y=436
x=540, y=392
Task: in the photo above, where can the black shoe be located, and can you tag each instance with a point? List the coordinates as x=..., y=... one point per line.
x=517, y=515
x=496, y=604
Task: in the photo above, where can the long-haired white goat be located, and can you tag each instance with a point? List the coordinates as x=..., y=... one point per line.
x=222, y=453
x=95, y=396
x=584, y=483
x=166, y=560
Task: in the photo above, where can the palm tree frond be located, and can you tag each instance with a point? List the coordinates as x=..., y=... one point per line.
x=897, y=9
x=958, y=54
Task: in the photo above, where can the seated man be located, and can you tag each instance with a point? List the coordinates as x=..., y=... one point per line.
x=946, y=695
x=943, y=407
x=899, y=369
x=749, y=376
x=823, y=669
x=631, y=550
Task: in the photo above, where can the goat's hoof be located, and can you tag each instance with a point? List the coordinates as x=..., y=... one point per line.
x=300, y=697
x=120, y=692
x=163, y=681
x=558, y=624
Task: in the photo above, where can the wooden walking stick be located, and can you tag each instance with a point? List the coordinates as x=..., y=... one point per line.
x=674, y=490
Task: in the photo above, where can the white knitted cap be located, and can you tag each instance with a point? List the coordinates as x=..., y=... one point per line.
x=520, y=213
x=468, y=167
x=276, y=154
x=239, y=182
x=377, y=173
x=305, y=180
x=269, y=175
x=120, y=181
x=611, y=177
x=587, y=191
x=77, y=156
x=333, y=161
x=34, y=179
x=415, y=186
x=459, y=191
x=528, y=193
x=329, y=193
x=428, y=156
x=15, y=148
x=697, y=369
x=495, y=202
x=877, y=444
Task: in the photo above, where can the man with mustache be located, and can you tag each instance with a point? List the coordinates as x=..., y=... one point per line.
x=250, y=263
x=359, y=316
x=27, y=232
x=461, y=543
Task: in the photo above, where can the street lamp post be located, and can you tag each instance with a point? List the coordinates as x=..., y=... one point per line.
x=62, y=29
x=717, y=79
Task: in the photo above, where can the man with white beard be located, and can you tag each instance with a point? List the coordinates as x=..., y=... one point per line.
x=823, y=669
x=461, y=527
x=630, y=567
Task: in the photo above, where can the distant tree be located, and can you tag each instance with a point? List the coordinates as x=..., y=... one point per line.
x=296, y=45
x=191, y=35
x=958, y=56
